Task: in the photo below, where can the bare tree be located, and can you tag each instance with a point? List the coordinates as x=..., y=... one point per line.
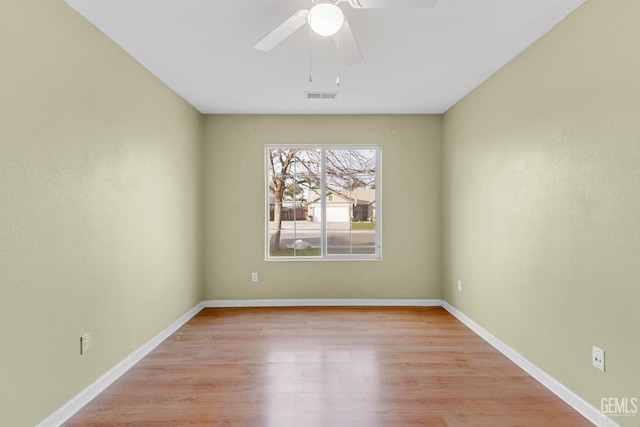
x=348, y=170
x=291, y=170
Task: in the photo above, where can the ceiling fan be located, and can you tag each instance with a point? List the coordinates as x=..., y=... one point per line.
x=326, y=19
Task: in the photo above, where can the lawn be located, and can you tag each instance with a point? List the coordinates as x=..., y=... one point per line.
x=333, y=250
x=289, y=252
x=363, y=225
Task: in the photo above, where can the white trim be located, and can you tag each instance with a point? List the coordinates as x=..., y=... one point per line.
x=324, y=303
x=576, y=402
x=67, y=410
x=324, y=255
x=85, y=396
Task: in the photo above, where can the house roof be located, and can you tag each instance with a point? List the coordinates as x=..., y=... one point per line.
x=362, y=196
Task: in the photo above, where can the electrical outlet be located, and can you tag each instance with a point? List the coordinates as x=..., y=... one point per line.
x=459, y=285
x=254, y=277
x=597, y=358
x=85, y=343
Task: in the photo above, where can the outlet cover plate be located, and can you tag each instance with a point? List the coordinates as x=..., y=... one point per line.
x=85, y=343
x=597, y=357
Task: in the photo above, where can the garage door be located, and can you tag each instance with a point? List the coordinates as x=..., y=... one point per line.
x=337, y=214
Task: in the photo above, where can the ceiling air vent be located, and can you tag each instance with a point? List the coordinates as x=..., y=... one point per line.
x=320, y=95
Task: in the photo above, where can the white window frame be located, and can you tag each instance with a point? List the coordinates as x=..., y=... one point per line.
x=324, y=256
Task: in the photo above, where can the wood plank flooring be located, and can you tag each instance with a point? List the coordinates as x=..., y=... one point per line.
x=326, y=366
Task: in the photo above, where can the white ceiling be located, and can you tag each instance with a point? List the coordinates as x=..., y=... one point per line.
x=416, y=61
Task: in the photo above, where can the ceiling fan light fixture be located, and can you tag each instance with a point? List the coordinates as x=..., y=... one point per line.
x=325, y=19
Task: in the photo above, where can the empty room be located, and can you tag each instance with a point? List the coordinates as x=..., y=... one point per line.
x=307, y=213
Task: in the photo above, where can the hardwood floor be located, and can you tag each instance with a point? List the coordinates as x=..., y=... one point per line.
x=326, y=366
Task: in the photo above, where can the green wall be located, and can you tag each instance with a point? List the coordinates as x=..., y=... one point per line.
x=100, y=209
x=235, y=211
x=542, y=201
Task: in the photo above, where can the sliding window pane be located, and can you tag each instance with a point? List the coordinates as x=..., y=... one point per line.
x=338, y=242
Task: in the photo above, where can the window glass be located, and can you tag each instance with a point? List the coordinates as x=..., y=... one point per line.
x=323, y=202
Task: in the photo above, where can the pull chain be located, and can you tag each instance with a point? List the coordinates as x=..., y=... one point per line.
x=337, y=38
x=310, y=59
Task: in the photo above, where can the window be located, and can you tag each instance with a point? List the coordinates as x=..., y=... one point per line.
x=322, y=202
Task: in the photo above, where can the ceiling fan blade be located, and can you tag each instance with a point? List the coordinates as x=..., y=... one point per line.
x=284, y=30
x=348, y=48
x=391, y=4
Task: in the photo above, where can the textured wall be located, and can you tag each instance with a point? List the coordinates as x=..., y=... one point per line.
x=411, y=223
x=99, y=206
x=542, y=201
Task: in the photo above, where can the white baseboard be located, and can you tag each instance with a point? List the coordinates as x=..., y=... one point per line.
x=324, y=303
x=576, y=402
x=85, y=396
